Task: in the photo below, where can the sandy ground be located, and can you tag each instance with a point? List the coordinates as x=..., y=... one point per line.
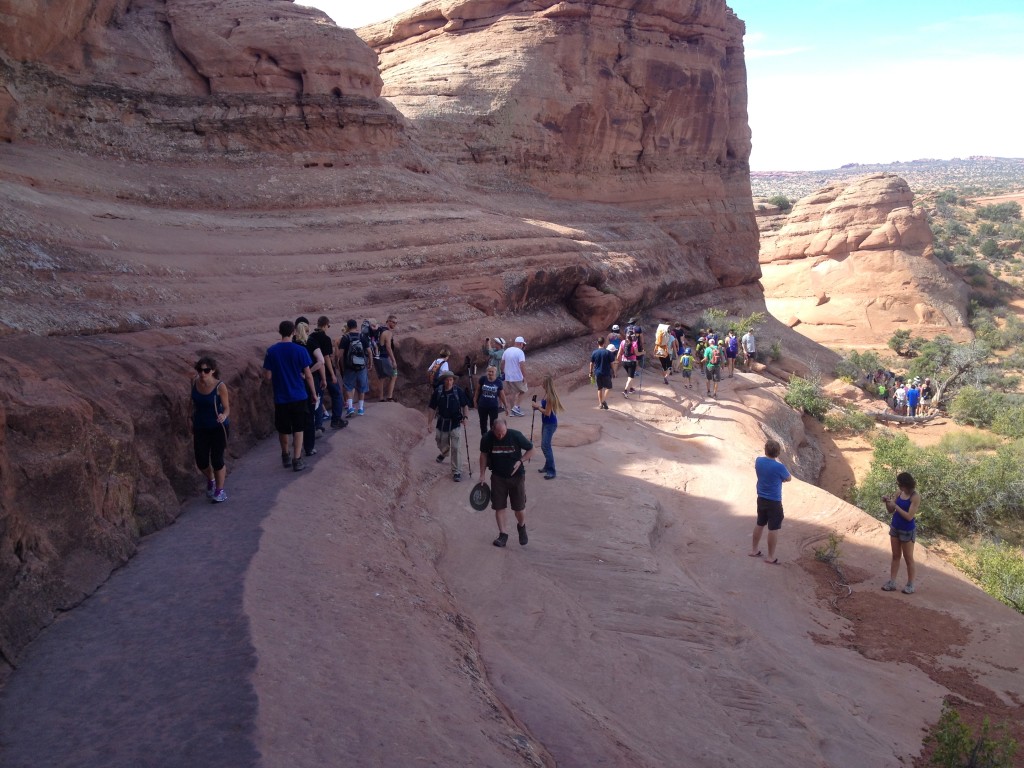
x=357, y=614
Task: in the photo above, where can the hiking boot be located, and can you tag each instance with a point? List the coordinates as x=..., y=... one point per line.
x=457, y=477
x=339, y=424
x=298, y=465
x=286, y=460
x=604, y=406
x=219, y=496
x=523, y=538
x=549, y=475
x=440, y=458
x=501, y=541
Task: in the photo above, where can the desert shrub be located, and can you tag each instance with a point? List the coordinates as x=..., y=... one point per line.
x=783, y=203
x=848, y=421
x=1000, y=211
x=976, y=406
x=987, y=229
x=904, y=345
x=806, y=395
x=968, y=442
x=959, y=492
x=857, y=365
x=749, y=323
x=775, y=349
x=957, y=747
x=998, y=568
x=1009, y=422
x=990, y=249
x=715, y=319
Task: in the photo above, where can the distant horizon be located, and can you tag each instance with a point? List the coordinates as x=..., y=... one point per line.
x=962, y=158
x=855, y=82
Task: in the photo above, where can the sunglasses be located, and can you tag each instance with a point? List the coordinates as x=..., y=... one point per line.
x=205, y=370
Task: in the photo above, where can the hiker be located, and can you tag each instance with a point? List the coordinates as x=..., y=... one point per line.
x=614, y=342
x=437, y=368
x=286, y=365
x=664, y=350
x=494, y=351
x=927, y=395
x=354, y=353
x=902, y=530
x=899, y=400
x=489, y=399
x=913, y=397
x=449, y=407
x=633, y=327
x=771, y=474
x=601, y=361
x=323, y=342
x=301, y=337
x=211, y=410
x=505, y=452
x=702, y=345
x=749, y=344
x=713, y=355
x=513, y=367
x=627, y=357
x=732, y=350
x=386, y=363
x=686, y=367
x=549, y=407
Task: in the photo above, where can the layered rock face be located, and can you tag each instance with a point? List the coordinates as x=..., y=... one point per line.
x=633, y=102
x=179, y=176
x=853, y=263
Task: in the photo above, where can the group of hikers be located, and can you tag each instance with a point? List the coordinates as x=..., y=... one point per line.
x=913, y=398
x=711, y=355
x=304, y=365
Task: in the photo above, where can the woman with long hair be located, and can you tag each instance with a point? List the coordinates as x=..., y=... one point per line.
x=903, y=530
x=211, y=409
x=301, y=338
x=549, y=408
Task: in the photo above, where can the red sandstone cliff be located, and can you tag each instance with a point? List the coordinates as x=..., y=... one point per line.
x=178, y=176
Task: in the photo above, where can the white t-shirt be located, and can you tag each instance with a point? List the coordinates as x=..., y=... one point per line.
x=749, y=343
x=442, y=367
x=513, y=358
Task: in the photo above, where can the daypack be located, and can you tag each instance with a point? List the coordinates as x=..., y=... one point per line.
x=434, y=373
x=734, y=344
x=372, y=336
x=355, y=355
x=716, y=355
x=686, y=363
x=661, y=341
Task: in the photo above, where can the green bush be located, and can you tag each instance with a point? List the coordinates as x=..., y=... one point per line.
x=856, y=365
x=990, y=249
x=977, y=407
x=968, y=442
x=1000, y=211
x=849, y=421
x=782, y=202
x=775, y=349
x=957, y=747
x=806, y=395
x=998, y=568
x=1009, y=422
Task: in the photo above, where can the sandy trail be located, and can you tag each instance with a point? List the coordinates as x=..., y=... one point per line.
x=357, y=614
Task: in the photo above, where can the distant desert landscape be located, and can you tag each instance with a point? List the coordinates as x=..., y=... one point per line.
x=177, y=177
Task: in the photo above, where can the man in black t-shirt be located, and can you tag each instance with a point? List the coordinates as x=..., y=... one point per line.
x=319, y=339
x=505, y=451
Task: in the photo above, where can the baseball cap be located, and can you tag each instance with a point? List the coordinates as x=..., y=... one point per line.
x=520, y=340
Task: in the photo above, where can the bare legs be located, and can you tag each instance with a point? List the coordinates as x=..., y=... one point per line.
x=773, y=539
x=904, y=549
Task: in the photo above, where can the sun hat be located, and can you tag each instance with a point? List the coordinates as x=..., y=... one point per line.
x=520, y=340
x=615, y=327
x=447, y=375
x=480, y=496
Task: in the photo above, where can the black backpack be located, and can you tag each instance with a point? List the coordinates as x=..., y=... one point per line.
x=355, y=355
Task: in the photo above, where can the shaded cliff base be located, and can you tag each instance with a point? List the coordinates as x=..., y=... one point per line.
x=631, y=621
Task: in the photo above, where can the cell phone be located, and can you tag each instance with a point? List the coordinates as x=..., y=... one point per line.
x=535, y=398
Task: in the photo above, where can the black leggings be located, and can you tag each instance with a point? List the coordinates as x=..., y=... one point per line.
x=209, y=444
x=488, y=415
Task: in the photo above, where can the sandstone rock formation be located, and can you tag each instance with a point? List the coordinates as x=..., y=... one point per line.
x=180, y=175
x=853, y=263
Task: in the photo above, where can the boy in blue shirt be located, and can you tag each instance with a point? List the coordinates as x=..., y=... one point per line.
x=771, y=474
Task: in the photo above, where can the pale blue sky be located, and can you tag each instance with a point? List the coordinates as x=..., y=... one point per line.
x=865, y=81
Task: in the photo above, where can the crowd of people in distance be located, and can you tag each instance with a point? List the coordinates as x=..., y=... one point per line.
x=305, y=365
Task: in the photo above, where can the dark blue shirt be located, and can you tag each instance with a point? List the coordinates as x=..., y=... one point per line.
x=489, y=391
x=602, y=360
x=286, y=361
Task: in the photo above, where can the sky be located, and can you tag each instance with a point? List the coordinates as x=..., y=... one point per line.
x=861, y=81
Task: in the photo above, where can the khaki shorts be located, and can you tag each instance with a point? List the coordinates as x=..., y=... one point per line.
x=517, y=386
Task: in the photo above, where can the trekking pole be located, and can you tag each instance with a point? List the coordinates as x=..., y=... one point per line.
x=465, y=435
x=533, y=420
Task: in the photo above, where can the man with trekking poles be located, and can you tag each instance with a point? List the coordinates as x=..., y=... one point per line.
x=449, y=409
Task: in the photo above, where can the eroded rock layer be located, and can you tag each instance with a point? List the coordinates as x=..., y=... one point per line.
x=854, y=262
x=178, y=176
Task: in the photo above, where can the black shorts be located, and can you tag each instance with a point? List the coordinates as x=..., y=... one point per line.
x=630, y=367
x=290, y=418
x=769, y=513
x=505, y=489
x=604, y=382
x=666, y=363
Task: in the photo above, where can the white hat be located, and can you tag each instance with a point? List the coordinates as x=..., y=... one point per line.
x=615, y=327
x=520, y=340
x=501, y=341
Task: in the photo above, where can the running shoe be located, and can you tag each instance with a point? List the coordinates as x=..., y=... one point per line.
x=211, y=489
x=219, y=497
x=298, y=465
x=361, y=411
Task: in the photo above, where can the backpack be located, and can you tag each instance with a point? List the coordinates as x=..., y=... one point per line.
x=373, y=337
x=734, y=344
x=716, y=355
x=355, y=355
x=661, y=341
x=434, y=373
x=686, y=363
